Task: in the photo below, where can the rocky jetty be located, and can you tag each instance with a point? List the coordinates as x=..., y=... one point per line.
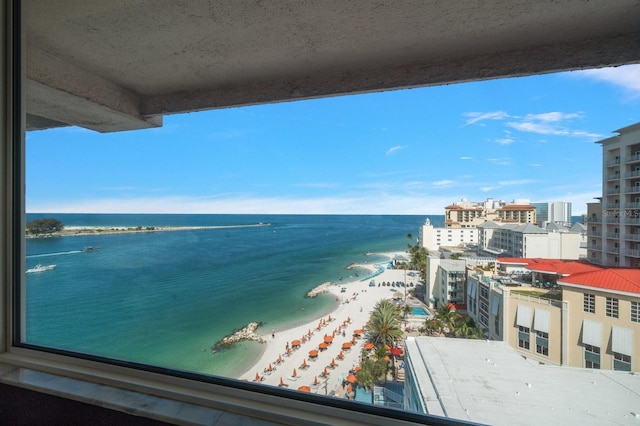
x=248, y=332
x=321, y=289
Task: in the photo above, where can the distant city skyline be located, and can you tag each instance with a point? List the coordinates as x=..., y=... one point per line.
x=409, y=151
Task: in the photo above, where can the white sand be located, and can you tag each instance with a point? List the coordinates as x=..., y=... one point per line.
x=357, y=303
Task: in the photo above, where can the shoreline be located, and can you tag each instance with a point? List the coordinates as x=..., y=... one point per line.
x=279, y=356
x=73, y=231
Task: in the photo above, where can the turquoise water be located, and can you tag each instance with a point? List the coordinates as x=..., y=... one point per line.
x=420, y=311
x=165, y=298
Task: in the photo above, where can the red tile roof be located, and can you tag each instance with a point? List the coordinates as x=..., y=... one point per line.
x=518, y=207
x=578, y=273
x=617, y=279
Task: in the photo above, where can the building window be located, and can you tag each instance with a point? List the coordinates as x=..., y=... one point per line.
x=542, y=343
x=612, y=307
x=591, y=356
x=589, y=303
x=523, y=337
x=635, y=311
x=496, y=325
x=621, y=362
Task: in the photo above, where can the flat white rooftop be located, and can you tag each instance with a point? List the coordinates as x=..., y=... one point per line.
x=489, y=382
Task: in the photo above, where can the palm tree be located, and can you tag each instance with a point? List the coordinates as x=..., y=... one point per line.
x=448, y=316
x=433, y=325
x=384, y=323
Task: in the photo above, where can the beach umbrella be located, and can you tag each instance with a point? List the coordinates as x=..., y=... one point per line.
x=315, y=380
x=295, y=343
x=368, y=346
x=322, y=346
x=346, y=345
x=357, y=368
x=396, y=351
x=351, y=378
x=295, y=373
x=328, y=339
x=333, y=362
x=313, y=353
x=304, y=389
x=281, y=382
x=257, y=379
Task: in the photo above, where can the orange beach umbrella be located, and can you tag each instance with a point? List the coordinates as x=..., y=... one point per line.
x=322, y=346
x=295, y=343
x=351, y=378
x=295, y=373
x=304, y=389
x=368, y=346
x=313, y=353
x=315, y=380
x=328, y=339
x=346, y=345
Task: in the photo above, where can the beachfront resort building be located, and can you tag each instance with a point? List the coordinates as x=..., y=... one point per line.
x=528, y=240
x=445, y=282
x=470, y=214
x=613, y=224
x=433, y=238
x=574, y=313
x=558, y=212
x=488, y=382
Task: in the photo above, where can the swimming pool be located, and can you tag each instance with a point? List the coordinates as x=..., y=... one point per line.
x=420, y=311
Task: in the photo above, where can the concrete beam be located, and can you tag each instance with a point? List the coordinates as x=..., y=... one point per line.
x=64, y=93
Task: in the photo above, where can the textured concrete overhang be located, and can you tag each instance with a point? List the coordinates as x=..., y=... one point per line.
x=122, y=64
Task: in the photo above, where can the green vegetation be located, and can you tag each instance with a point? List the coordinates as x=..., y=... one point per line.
x=418, y=258
x=452, y=323
x=45, y=226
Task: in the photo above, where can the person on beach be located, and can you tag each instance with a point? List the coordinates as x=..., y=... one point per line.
x=273, y=333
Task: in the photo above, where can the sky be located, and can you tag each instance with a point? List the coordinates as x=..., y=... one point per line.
x=410, y=151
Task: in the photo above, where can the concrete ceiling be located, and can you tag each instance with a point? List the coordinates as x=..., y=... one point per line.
x=112, y=65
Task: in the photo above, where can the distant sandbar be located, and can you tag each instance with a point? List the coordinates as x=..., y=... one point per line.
x=71, y=231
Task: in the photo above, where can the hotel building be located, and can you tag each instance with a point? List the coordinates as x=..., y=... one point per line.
x=553, y=212
x=582, y=316
x=614, y=222
x=469, y=214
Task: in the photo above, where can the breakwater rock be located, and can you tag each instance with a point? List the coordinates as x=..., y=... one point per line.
x=321, y=289
x=248, y=332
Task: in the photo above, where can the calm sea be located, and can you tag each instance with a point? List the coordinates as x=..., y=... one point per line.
x=165, y=298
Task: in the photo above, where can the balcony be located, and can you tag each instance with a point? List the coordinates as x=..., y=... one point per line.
x=614, y=176
x=632, y=220
x=632, y=206
x=614, y=162
x=596, y=247
x=632, y=237
x=613, y=235
x=632, y=190
x=632, y=252
x=614, y=250
x=612, y=191
x=634, y=158
x=632, y=174
x=593, y=220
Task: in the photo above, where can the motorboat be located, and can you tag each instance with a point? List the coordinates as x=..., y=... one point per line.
x=40, y=268
x=90, y=249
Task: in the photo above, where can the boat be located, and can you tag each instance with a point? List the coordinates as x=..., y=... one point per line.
x=89, y=249
x=40, y=268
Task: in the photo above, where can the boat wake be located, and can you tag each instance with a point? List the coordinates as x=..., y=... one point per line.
x=62, y=253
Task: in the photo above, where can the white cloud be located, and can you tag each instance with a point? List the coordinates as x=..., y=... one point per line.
x=475, y=117
x=487, y=188
x=551, y=123
x=515, y=182
x=466, y=158
x=505, y=141
x=443, y=183
x=626, y=77
x=500, y=161
x=393, y=149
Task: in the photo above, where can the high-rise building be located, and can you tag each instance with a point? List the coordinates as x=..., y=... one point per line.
x=469, y=214
x=613, y=224
x=553, y=212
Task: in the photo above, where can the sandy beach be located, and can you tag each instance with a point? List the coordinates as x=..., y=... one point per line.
x=356, y=303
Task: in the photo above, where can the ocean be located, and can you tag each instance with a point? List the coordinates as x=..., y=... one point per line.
x=165, y=298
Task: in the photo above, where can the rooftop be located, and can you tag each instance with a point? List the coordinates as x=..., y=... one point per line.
x=489, y=382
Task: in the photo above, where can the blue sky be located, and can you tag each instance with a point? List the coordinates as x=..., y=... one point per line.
x=398, y=152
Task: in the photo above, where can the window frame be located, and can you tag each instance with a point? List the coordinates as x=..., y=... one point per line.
x=524, y=343
x=635, y=312
x=39, y=368
x=589, y=303
x=612, y=307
